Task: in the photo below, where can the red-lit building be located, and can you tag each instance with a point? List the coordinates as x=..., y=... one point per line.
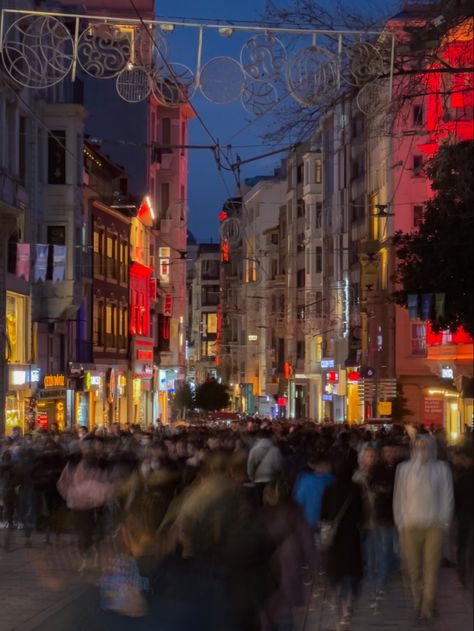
x=142, y=297
x=435, y=370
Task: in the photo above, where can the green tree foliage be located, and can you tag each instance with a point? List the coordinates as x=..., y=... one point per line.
x=183, y=399
x=212, y=395
x=439, y=256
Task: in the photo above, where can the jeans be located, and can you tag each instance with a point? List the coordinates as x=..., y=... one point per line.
x=378, y=556
x=421, y=551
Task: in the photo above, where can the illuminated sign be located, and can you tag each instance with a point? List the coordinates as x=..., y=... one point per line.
x=384, y=408
x=447, y=373
x=165, y=270
x=353, y=376
x=332, y=376
x=281, y=402
x=35, y=375
x=167, y=305
x=253, y=338
x=18, y=377
x=92, y=382
x=164, y=253
x=327, y=362
x=345, y=309
x=145, y=355
x=54, y=381
x=59, y=412
x=327, y=397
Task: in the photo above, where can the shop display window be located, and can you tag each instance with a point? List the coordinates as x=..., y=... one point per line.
x=17, y=328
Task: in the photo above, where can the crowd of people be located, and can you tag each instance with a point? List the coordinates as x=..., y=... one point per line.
x=230, y=527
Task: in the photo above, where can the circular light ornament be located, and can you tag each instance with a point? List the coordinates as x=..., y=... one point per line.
x=174, y=84
x=311, y=76
x=103, y=50
x=133, y=84
x=37, y=51
x=222, y=80
x=263, y=57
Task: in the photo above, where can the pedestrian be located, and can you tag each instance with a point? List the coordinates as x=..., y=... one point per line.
x=265, y=462
x=342, y=501
x=423, y=507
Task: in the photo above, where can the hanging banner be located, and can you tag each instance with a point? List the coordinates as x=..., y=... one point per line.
x=426, y=306
x=412, y=304
x=59, y=263
x=439, y=306
x=167, y=305
x=23, y=260
x=41, y=262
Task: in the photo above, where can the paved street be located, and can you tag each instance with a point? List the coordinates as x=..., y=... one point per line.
x=41, y=590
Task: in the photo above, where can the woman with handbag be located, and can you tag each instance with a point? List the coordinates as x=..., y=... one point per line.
x=341, y=514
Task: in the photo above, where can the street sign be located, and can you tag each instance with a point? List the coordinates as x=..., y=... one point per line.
x=384, y=408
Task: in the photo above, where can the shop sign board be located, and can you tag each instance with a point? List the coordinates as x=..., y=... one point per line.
x=447, y=373
x=384, y=408
x=433, y=410
x=327, y=362
x=167, y=305
x=54, y=381
x=18, y=377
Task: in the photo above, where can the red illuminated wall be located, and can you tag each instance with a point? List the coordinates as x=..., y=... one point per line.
x=437, y=339
x=139, y=287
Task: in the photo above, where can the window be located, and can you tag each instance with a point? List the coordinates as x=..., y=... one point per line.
x=209, y=295
x=300, y=312
x=418, y=166
x=300, y=278
x=98, y=323
x=275, y=238
x=57, y=157
x=16, y=328
x=299, y=173
x=22, y=150
x=165, y=200
x=123, y=271
x=300, y=349
x=112, y=256
x=358, y=166
x=418, y=115
x=166, y=134
x=300, y=208
x=55, y=235
x=210, y=269
x=110, y=325
x=317, y=171
x=357, y=126
x=418, y=340
x=417, y=216
x=98, y=248
x=274, y=269
x=300, y=242
x=319, y=215
x=318, y=259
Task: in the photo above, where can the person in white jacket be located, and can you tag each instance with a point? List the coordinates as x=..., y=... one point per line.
x=264, y=462
x=423, y=504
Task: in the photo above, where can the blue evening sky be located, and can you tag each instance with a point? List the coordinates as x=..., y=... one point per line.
x=229, y=123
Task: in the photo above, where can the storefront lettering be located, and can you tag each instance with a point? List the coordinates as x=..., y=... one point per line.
x=145, y=355
x=53, y=381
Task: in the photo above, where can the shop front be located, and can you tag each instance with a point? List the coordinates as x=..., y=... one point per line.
x=51, y=403
x=20, y=401
x=140, y=386
x=90, y=402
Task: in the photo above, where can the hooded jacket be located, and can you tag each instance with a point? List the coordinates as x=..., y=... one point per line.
x=265, y=462
x=423, y=495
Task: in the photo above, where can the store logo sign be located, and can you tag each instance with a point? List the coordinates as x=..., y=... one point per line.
x=447, y=373
x=54, y=381
x=35, y=375
x=327, y=362
x=18, y=377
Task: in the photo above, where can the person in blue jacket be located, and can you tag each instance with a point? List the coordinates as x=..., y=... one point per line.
x=310, y=485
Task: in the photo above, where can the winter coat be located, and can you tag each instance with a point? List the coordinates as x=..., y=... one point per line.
x=423, y=495
x=344, y=558
x=265, y=462
x=308, y=493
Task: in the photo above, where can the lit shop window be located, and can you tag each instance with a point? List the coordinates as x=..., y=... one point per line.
x=17, y=327
x=418, y=339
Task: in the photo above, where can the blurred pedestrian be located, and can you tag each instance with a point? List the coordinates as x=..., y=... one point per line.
x=423, y=507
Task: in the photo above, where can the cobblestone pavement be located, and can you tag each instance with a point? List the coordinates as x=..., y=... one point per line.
x=41, y=589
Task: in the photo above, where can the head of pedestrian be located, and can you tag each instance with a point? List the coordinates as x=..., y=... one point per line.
x=319, y=462
x=367, y=458
x=82, y=432
x=424, y=449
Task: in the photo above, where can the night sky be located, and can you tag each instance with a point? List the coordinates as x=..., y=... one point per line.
x=229, y=123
